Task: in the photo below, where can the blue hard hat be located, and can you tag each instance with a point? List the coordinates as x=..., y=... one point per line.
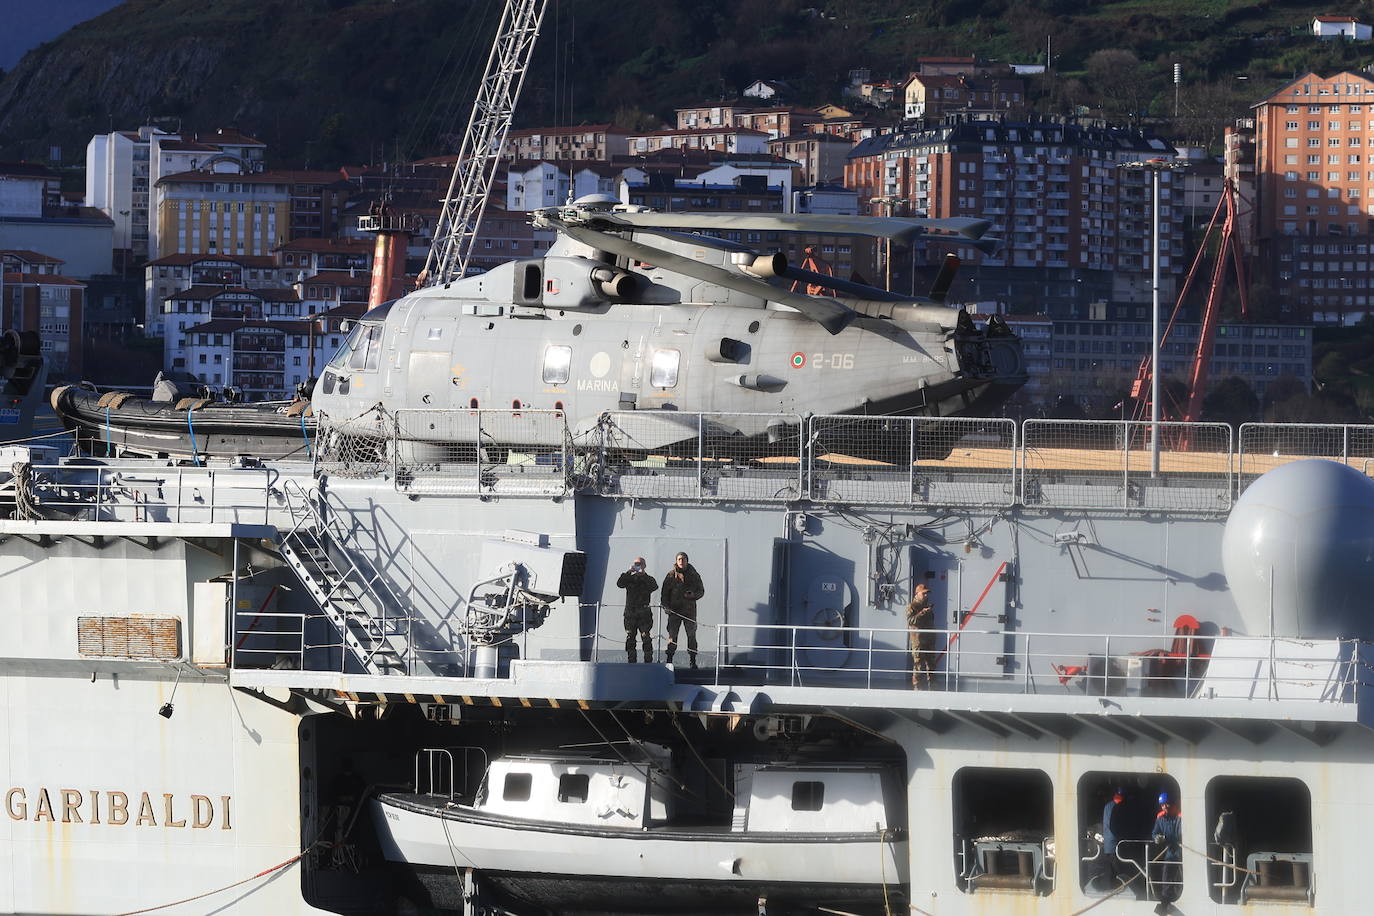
x=1164, y=798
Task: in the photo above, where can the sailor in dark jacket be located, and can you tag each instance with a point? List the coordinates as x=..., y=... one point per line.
x=682, y=589
x=639, y=586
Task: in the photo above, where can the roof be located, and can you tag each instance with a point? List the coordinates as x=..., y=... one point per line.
x=299, y=175
x=340, y=277
x=181, y=259
x=26, y=170
x=31, y=257
x=701, y=131
x=346, y=310
x=1335, y=18
x=203, y=293
x=230, y=136
x=229, y=325
x=1038, y=133
x=811, y=137
x=188, y=146
x=17, y=277
x=1344, y=76
x=567, y=131
x=239, y=177
x=344, y=246
x=781, y=109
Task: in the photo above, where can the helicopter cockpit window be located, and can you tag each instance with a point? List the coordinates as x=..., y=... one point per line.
x=367, y=348
x=557, y=365
x=340, y=359
x=663, y=372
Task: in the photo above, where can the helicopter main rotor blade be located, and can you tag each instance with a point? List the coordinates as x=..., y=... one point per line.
x=839, y=285
x=829, y=314
x=898, y=229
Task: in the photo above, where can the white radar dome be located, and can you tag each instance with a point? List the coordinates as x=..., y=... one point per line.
x=1302, y=538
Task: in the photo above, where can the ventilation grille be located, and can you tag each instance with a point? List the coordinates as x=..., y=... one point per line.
x=129, y=637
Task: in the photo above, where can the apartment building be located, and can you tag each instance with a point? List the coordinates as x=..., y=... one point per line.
x=264, y=359
x=703, y=116
x=778, y=122
x=931, y=96
x=164, y=276
x=822, y=156
x=207, y=212
x=713, y=139
x=1315, y=191
x=34, y=297
x=586, y=141
x=123, y=168
x=1075, y=225
x=189, y=308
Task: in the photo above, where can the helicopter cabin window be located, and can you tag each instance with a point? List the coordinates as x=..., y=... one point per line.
x=572, y=788
x=516, y=787
x=808, y=796
x=663, y=372
x=557, y=365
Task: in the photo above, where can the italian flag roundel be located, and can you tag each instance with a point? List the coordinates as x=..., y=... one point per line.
x=798, y=360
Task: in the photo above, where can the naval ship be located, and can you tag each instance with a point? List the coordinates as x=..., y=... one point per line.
x=386, y=668
x=393, y=679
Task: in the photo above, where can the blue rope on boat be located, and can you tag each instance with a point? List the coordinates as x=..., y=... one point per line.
x=195, y=453
x=109, y=446
x=305, y=435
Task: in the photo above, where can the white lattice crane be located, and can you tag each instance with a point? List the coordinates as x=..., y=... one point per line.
x=475, y=169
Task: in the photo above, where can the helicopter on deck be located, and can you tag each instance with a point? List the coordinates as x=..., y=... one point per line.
x=632, y=309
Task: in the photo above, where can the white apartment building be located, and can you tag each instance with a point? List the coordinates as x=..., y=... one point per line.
x=123, y=169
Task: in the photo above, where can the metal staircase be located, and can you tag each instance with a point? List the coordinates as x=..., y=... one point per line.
x=374, y=627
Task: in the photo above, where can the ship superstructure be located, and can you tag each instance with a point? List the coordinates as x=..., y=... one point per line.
x=216, y=677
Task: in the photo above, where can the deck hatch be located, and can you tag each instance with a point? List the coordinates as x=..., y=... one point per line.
x=128, y=637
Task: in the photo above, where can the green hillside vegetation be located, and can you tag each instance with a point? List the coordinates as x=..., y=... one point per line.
x=327, y=82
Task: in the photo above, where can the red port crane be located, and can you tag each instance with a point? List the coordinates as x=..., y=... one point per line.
x=1221, y=236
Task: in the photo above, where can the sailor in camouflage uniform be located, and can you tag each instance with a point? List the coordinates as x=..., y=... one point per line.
x=639, y=586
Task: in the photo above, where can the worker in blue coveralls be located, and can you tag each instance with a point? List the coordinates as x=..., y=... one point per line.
x=1168, y=835
x=1114, y=824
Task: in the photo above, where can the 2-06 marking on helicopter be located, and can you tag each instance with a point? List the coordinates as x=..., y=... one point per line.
x=826, y=360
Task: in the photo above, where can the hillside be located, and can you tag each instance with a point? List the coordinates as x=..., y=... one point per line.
x=331, y=81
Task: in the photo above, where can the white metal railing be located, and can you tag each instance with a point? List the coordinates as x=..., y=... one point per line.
x=1109, y=465
x=664, y=454
x=975, y=660
x=151, y=493
x=745, y=458
x=481, y=452
x=1265, y=446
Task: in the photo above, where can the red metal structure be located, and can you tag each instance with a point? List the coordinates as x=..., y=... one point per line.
x=1221, y=236
x=816, y=264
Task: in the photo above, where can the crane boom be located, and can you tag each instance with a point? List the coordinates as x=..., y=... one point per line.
x=475, y=169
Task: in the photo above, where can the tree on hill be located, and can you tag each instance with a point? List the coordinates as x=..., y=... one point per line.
x=1232, y=401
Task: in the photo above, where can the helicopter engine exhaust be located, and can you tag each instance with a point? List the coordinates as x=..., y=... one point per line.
x=767, y=266
x=617, y=284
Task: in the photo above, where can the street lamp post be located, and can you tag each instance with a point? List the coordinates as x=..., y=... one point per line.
x=1155, y=167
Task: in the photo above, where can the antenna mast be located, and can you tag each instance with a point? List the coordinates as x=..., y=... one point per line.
x=475, y=169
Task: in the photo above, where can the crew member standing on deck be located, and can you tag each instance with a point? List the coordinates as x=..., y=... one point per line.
x=1113, y=826
x=639, y=586
x=682, y=589
x=920, y=620
x=1168, y=835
